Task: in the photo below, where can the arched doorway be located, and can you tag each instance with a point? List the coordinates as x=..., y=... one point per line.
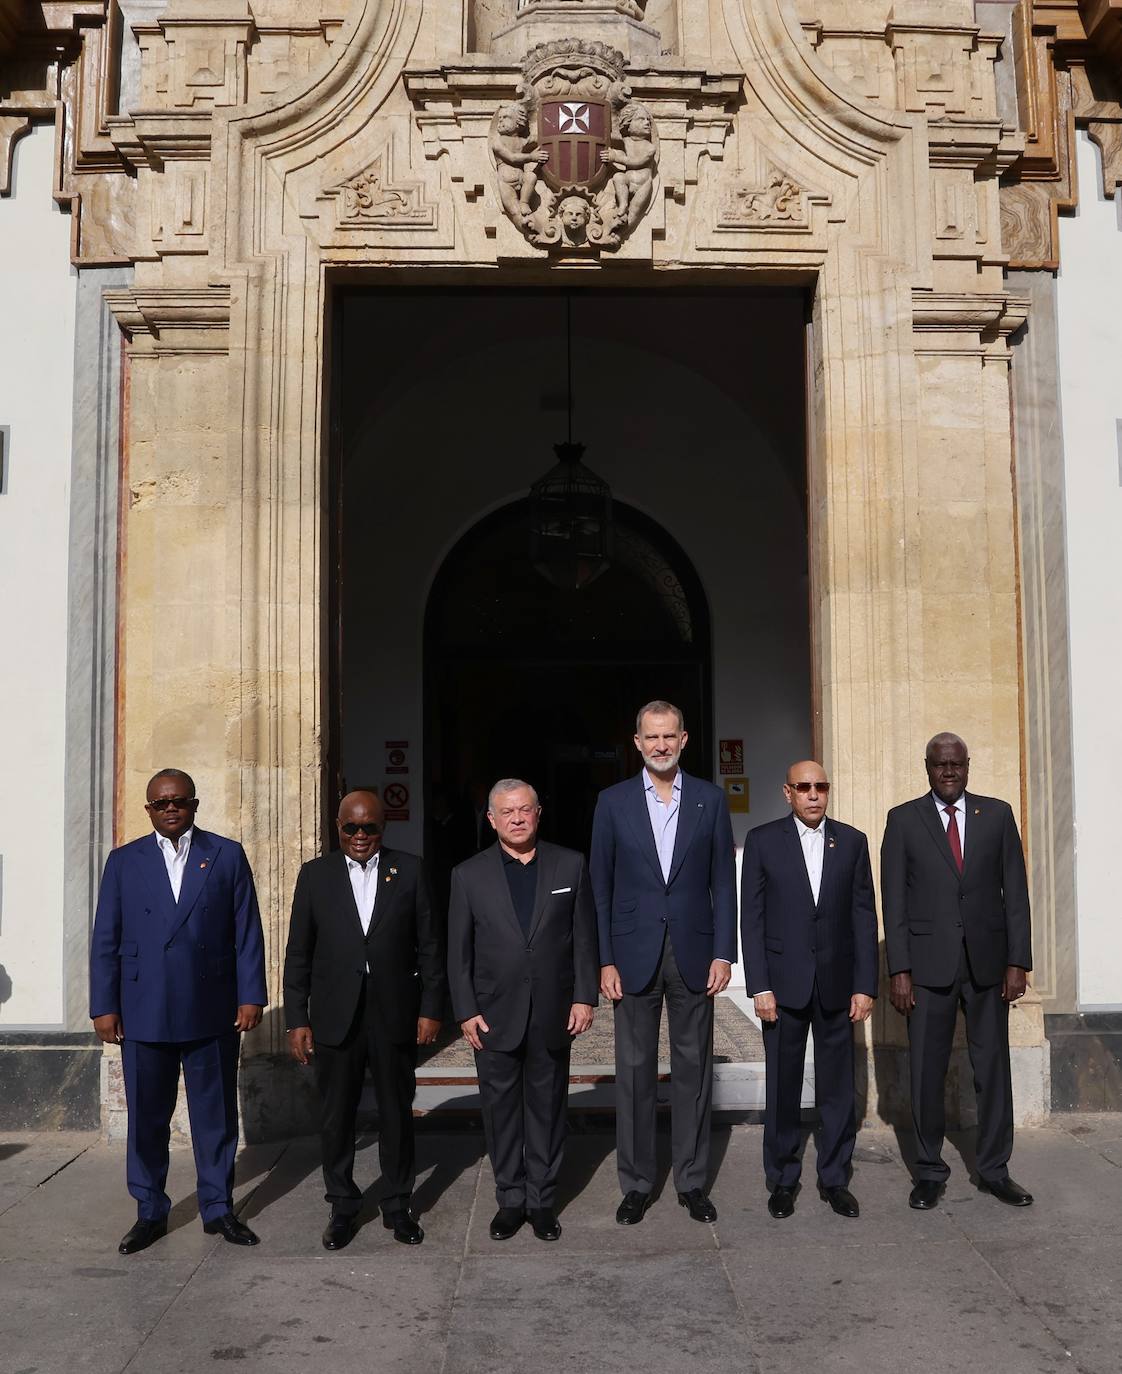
x=527, y=679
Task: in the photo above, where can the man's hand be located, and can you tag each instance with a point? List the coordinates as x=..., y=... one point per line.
x=1012, y=988
x=720, y=971
x=860, y=1007
x=580, y=1018
x=611, y=986
x=248, y=1017
x=766, y=1006
x=300, y=1044
x=901, y=994
x=107, y=1028
x=427, y=1030
x=472, y=1028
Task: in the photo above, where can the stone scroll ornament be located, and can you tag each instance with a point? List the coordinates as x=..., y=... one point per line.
x=576, y=159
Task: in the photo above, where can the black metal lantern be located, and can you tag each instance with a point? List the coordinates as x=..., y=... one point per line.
x=570, y=507
x=570, y=521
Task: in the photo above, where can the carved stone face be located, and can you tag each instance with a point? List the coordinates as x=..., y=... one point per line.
x=640, y=126
x=510, y=122
x=575, y=215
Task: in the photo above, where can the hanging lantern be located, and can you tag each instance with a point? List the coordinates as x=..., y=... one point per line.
x=570, y=521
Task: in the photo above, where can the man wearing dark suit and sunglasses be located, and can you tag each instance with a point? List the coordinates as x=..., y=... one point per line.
x=364, y=986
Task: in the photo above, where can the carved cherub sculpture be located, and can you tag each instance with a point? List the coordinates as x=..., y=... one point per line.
x=633, y=182
x=517, y=169
x=574, y=213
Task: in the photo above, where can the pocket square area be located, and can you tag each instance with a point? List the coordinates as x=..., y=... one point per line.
x=558, y=890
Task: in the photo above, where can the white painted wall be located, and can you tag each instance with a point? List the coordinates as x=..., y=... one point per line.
x=1089, y=304
x=37, y=306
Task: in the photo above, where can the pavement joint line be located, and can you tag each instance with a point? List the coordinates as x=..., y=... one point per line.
x=1094, y=1149
x=460, y=1271
x=55, y=1173
x=749, y=1333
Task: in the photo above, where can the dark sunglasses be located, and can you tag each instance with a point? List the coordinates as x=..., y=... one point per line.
x=172, y=803
x=809, y=786
x=367, y=828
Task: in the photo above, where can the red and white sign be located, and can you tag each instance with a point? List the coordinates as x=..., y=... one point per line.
x=396, y=798
x=732, y=757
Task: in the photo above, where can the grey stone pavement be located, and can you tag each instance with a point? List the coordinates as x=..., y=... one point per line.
x=973, y=1285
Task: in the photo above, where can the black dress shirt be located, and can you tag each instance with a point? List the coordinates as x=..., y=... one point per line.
x=523, y=882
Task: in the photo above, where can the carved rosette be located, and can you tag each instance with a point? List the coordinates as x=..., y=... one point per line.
x=575, y=157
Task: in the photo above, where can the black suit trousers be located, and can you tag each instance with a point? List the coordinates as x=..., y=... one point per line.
x=524, y=1092
x=930, y=1035
x=340, y=1071
x=785, y=1051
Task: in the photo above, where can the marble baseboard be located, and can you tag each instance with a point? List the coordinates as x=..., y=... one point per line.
x=49, y=1082
x=1086, y=1061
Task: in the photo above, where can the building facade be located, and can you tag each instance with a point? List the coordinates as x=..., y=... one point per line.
x=300, y=296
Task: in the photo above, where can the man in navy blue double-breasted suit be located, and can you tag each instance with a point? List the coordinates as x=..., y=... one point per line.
x=809, y=934
x=177, y=972
x=664, y=880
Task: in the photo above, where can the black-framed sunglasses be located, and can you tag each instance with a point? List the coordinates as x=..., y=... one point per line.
x=367, y=828
x=172, y=803
x=805, y=787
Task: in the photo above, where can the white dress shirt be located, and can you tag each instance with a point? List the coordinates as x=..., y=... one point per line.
x=364, y=884
x=960, y=816
x=175, y=858
x=664, y=820
x=813, y=844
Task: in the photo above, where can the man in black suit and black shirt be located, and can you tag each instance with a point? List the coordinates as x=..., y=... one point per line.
x=956, y=926
x=364, y=985
x=524, y=973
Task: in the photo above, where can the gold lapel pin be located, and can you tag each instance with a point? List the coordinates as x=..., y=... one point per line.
x=833, y=843
x=977, y=811
x=203, y=864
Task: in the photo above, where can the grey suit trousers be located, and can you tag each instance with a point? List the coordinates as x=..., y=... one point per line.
x=637, y=1018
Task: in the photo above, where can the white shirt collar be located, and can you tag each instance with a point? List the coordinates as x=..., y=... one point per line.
x=676, y=785
x=959, y=806
x=805, y=830
x=179, y=850
x=371, y=863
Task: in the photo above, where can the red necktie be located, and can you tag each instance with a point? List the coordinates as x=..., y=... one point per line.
x=953, y=837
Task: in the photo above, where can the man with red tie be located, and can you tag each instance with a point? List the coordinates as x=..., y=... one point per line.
x=956, y=926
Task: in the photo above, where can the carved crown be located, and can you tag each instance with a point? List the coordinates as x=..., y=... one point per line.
x=576, y=57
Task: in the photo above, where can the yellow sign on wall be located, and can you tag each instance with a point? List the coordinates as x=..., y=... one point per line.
x=736, y=792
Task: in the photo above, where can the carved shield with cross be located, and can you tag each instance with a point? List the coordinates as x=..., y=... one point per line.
x=574, y=131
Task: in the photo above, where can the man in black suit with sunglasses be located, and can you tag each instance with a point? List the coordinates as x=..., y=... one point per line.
x=364, y=985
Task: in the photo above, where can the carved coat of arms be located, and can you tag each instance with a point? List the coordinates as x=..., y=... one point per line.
x=576, y=158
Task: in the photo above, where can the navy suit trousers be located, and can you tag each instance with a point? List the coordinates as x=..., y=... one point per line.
x=210, y=1076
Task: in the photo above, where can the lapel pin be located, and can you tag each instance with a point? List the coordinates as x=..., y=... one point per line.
x=833, y=842
x=977, y=811
x=203, y=864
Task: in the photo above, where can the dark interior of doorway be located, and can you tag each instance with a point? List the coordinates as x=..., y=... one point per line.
x=527, y=679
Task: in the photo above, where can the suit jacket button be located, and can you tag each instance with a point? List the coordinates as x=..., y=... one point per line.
x=168, y=945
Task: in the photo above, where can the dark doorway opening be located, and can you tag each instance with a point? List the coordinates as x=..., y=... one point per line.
x=527, y=679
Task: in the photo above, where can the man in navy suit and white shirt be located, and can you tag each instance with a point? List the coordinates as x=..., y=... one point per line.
x=809, y=934
x=177, y=973
x=664, y=880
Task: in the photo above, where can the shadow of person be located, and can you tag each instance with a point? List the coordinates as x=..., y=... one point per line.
x=588, y=1146
x=253, y=1162
x=10, y=1148
x=5, y=985
x=443, y=1158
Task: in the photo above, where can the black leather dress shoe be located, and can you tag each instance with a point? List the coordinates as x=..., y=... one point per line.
x=231, y=1229
x=630, y=1210
x=925, y=1194
x=1005, y=1190
x=507, y=1222
x=404, y=1228
x=781, y=1203
x=698, y=1205
x=340, y=1230
x=545, y=1223
x=841, y=1200
x=142, y=1235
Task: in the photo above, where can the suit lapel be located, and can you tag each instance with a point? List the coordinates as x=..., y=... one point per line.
x=690, y=811
x=506, y=901
x=639, y=819
x=200, y=861
x=975, y=815
x=155, y=872
x=799, y=860
x=829, y=860
x=546, y=868
x=344, y=893
x=934, y=824
x=385, y=889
